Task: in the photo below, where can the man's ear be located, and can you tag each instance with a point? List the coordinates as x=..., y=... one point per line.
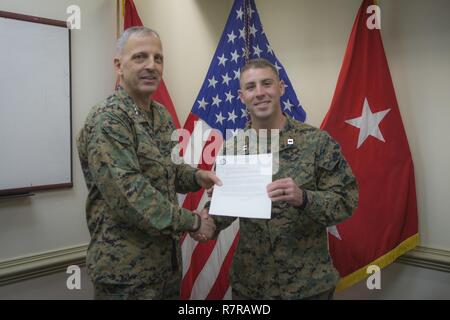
x=282, y=88
x=240, y=95
x=118, y=65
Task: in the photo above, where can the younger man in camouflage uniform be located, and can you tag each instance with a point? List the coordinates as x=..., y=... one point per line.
x=132, y=211
x=287, y=256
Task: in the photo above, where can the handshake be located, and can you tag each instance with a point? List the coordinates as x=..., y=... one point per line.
x=207, y=228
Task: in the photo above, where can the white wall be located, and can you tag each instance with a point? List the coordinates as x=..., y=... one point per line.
x=310, y=37
x=55, y=219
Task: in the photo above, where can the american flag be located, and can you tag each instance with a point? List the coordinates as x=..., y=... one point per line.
x=206, y=266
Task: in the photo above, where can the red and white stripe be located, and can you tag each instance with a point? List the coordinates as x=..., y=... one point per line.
x=205, y=265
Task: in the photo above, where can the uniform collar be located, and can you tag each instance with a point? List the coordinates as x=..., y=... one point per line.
x=285, y=142
x=131, y=107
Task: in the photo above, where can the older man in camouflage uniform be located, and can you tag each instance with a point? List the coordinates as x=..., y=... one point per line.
x=132, y=212
x=287, y=256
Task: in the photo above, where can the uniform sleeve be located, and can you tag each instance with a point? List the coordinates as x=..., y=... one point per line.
x=336, y=196
x=185, y=179
x=114, y=166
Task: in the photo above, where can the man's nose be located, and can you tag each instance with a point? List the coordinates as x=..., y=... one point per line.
x=259, y=90
x=150, y=64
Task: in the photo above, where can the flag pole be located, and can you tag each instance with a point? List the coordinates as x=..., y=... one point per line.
x=118, y=18
x=247, y=30
x=120, y=5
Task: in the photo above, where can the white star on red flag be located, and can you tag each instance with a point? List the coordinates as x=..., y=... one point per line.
x=368, y=124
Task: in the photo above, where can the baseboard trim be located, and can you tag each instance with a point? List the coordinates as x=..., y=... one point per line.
x=427, y=258
x=45, y=263
x=41, y=264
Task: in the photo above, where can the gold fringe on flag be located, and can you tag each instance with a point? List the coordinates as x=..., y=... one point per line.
x=381, y=262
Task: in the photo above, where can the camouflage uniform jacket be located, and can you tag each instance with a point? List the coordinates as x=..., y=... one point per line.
x=132, y=212
x=287, y=256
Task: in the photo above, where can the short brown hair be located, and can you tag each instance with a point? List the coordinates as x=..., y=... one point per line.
x=259, y=64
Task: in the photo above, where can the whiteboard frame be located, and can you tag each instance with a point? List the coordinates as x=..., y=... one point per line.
x=62, y=24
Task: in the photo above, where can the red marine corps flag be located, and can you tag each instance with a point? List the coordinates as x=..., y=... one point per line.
x=365, y=119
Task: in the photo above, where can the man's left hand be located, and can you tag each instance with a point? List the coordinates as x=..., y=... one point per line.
x=285, y=190
x=206, y=179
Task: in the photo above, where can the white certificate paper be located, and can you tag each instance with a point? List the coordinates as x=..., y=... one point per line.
x=243, y=193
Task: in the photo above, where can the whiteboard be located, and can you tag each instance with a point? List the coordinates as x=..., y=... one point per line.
x=35, y=104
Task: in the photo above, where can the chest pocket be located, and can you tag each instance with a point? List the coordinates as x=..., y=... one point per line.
x=299, y=167
x=155, y=166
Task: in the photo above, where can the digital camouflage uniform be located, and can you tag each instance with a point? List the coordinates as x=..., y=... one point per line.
x=287, y=256
x=132, y=212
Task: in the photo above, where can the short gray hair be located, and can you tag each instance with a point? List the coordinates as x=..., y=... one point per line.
x=142, y=31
